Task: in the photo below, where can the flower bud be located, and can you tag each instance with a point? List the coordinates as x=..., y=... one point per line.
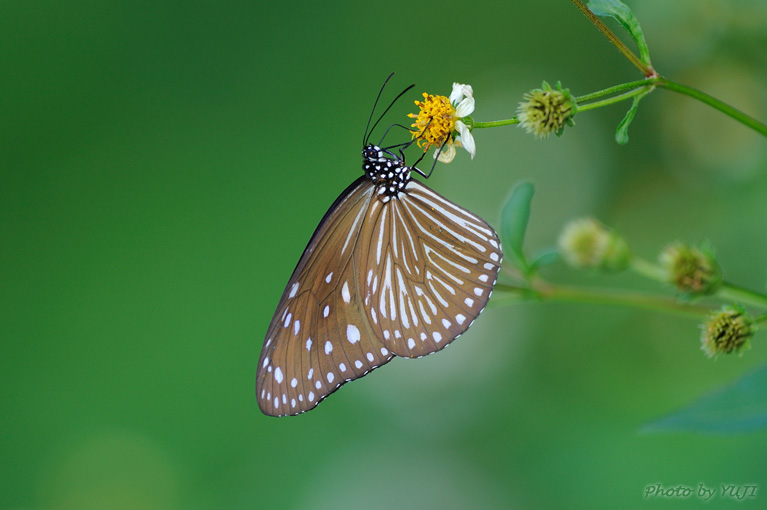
x=587, y=243
x=546, y=110
x=692, y=270
x=728, y=330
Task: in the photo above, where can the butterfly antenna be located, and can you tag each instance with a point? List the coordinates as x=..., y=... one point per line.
x=404, y=146
x=380, y=143
x=367, y=135
x=436, y=154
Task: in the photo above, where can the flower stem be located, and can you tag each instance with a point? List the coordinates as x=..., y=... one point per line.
x=546, y=291
x=727, y=292
x=494, y=123
x=648, y=269
x=738, y=294
x=635, y=300
x=713, y=102
x=614, y=89
x=625, y=51
x=636, y=88
x=611, y=100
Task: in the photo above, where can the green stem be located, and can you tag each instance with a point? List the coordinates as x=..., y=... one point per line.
x=738, y=294
x=648, y=269
x=635, y=300
x=736, y=114
x=727, y=292
x=611, y=100
x=642, y=87
x=759, y=319
x=547, y=291
x=625, y=51
x=614, y=89
x=494, y=123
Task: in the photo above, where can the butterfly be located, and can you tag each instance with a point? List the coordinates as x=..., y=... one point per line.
x=393, y=269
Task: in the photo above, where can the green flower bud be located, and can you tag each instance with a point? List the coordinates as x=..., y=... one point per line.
x=692, y=270
x=728, y=330
x=546, y=110
x=587, y=243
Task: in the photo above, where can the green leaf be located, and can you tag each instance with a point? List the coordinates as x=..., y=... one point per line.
x=545, y=257
x=740, y=407
x=622, y=132
x=514, y=218
x=623, y=15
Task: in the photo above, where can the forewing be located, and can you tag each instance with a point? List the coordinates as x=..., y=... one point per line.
x=303, y=358
x=429, y=267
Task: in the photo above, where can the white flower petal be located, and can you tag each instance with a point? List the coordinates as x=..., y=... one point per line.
x=465, y=107
x=466, y=138
x=457, y=94
x=447, y=154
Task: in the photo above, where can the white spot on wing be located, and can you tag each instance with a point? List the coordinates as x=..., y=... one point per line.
x=329, y=277
x=278, y=375
x=293, y=290
x=328, y=347
x=352, y=333
x=345, y=293
x=293, y=382
x=460, y=318
x=308, y=344
x=469, y=301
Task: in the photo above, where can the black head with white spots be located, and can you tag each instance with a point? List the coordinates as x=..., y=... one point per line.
x=389, y=173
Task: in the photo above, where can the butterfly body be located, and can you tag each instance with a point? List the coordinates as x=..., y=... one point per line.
x=393, y=269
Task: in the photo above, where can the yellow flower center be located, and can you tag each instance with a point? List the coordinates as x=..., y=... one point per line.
x=435, y=121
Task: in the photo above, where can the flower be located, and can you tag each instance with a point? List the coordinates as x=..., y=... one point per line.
x=588, y=243
x=728, y=330
x=440, y=118
x=691, y=269
x=546, y=110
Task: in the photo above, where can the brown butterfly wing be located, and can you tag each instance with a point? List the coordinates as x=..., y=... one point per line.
x=429, y=272
x=319, y=337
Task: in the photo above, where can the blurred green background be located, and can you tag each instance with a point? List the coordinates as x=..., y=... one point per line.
x=164, y=163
